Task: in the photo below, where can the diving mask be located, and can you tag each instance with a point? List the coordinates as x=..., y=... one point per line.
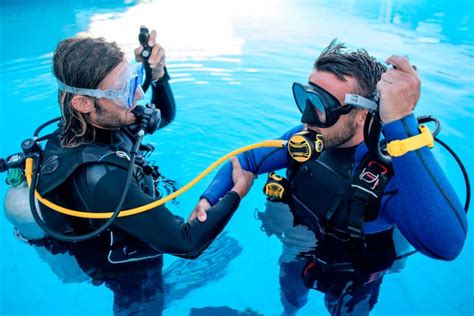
x=321, y=109
x=127, y=93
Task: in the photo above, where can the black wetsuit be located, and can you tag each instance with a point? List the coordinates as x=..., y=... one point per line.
x=91, y=178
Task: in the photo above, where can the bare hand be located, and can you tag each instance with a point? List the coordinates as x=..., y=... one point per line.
x=199, y=211
x=242, y=182
x=157, y=59
x=399, y=89
x=243, y=179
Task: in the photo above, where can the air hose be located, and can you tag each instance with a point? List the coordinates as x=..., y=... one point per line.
x=104, y=215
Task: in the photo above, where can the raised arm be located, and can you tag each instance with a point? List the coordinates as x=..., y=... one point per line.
x=163, y=99
x=162, y=95
x=426, y=208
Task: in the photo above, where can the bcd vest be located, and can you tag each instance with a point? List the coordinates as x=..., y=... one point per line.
x=112, y=247
x=334, y=201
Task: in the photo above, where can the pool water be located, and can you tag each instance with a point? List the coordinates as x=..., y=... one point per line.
x=232, y=65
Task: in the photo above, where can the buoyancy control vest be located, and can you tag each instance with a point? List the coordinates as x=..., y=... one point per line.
x=334, y=201
x=101, y=256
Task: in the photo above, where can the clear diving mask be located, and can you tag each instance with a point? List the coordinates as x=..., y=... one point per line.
x=133, y=81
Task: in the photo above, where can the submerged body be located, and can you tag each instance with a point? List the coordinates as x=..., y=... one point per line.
x=310, y=259
x=85, y=166
x=344, y=207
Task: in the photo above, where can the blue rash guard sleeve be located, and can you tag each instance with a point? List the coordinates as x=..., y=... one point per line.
x=257, y=161
x=426, y=209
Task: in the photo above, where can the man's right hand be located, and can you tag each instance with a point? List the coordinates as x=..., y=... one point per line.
x=157, y=58
x=243, y=180
x=399, y=89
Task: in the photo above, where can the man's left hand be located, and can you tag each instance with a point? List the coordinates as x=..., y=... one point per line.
x=399, y=89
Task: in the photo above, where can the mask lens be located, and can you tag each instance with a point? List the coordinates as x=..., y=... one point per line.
x=140, y=73
x=300, y=96
x=305, y=97
x=135, y=81
x=318, y=110
x=131, y=91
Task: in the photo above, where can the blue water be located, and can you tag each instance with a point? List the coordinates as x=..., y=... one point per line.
x=232, y=66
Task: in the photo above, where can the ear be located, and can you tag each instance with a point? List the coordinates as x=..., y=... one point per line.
x=82, y=103
x=361, y=116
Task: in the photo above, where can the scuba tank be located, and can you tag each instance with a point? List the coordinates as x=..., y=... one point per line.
x=17, y=207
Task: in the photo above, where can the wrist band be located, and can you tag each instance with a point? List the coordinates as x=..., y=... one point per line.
x=398, y=148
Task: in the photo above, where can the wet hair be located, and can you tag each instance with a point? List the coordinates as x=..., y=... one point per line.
x=340, y=61
x=81, y=63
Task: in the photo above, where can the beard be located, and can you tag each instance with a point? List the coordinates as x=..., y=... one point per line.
x=336, y=136
x=108, y=119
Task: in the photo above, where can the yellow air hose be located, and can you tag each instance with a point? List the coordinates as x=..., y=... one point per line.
x=147, y=207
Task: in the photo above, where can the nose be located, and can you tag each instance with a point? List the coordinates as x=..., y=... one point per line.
x=139, y=93
x=321, y=115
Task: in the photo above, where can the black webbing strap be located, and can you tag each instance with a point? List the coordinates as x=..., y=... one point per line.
x=366, y=191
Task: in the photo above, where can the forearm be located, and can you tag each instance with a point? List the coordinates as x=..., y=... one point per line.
x=167, y=233
x=158, y=227
x=257, y=161
x=426, y=208
x=203, y=233
x=163, y=99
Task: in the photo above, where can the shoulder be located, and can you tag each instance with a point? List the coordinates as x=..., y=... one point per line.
x=109, y=166
x=287, y=135
x=59, y=163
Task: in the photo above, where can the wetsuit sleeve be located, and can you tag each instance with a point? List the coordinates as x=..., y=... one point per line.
x=99, y=187
x=257, y=161
x=426, y=208
x=162, y=97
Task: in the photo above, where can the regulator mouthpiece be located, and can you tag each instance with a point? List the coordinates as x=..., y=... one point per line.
x=305, y=145
x=148, y=117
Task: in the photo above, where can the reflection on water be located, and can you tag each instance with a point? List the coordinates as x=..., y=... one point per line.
x=203, y=30
x=232, y=65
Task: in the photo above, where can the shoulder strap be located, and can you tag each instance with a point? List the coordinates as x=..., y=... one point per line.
x=366, y=192
x=59, y=163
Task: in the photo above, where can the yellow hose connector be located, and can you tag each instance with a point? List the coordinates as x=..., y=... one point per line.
x=147, y=207
x=397, y=148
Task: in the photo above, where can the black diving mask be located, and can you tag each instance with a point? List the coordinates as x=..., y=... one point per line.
x=321, y=109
